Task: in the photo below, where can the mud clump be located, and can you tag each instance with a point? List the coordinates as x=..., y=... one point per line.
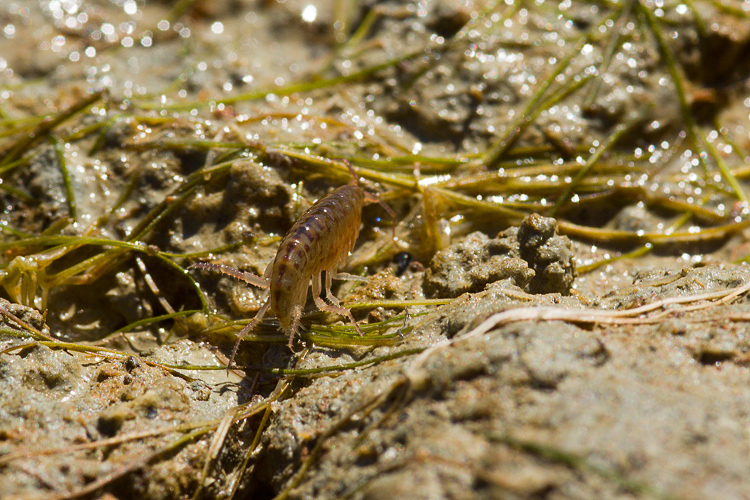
x=548, y=254
x=532, y=257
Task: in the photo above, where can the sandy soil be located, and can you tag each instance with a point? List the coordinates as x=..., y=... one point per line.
x=562, y=313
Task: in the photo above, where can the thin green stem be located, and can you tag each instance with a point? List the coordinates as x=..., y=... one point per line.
x=63, y=164
x=620, y=130
x=46, y=126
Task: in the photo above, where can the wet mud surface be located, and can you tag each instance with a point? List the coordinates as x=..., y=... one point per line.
x=559, y=309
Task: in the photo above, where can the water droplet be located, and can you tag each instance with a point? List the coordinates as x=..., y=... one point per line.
x=130, y=7
x=309, y=13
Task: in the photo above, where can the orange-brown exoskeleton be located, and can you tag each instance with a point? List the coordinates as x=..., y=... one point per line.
x=319, y=241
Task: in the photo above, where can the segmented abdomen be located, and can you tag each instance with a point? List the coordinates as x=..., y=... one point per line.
x=320, y=240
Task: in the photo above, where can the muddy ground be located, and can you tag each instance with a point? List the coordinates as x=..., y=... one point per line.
x=560, y=312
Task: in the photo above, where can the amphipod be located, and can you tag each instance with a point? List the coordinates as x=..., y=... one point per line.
x=319, y=241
